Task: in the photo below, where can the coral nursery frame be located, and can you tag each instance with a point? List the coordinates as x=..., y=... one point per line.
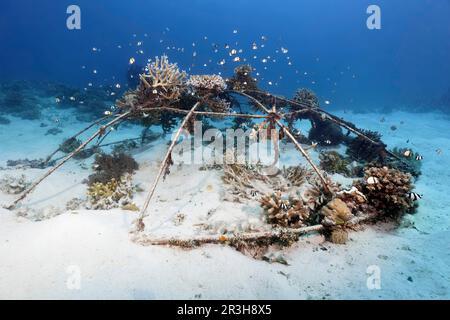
x=162, y=91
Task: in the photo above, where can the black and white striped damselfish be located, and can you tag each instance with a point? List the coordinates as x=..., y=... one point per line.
x=414, y=196
x=419, y=157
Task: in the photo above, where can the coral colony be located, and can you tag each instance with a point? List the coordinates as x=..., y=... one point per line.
x=296, y=200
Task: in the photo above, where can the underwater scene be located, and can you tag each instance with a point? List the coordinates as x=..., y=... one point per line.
x=290, y=149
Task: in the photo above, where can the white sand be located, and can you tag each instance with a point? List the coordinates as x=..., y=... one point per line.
x=38, y=257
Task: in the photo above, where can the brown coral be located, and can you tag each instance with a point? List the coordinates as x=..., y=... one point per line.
x=335, y=212
x=389, y=194
x=108, y=167
x=242, y=79
x=284, y=211
x=339, y=236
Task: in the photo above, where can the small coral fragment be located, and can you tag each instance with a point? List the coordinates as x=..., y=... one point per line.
x=336, y=212
x=286, y=212
x=113, y=194
x=14, y=185
x=339, y=236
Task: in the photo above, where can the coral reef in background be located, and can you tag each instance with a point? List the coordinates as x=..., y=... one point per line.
x=109, y=167
x=4, y=121
x=19, y=101
x=387, y=190
x=26, y=163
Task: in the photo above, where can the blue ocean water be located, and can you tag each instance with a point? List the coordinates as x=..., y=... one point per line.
x=330, y=47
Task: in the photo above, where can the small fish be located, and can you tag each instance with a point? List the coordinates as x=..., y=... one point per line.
x=57, y=100
x=419, y=157
x=414, y=196
x=327, y=141
x=372, y=180
x=407, y=153
x=314, y=144
x=253, y=193
x=284, y=206
x=72, y=98
x=132, y=60
x=155, y=91
x=107, y=113
x=233, y=52
x=439, y=151
x=237, y=59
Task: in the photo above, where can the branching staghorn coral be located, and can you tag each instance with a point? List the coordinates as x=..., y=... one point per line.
x=201, y=83
x=297, y=175
x=164, y=78
x=284, y=210
x=240, y=181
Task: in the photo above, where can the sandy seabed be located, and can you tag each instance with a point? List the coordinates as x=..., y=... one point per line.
x=40, y=255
